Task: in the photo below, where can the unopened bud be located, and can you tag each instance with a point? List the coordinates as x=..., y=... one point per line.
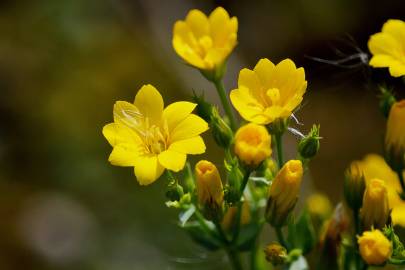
x=308, y=147
x=354, y=186
x=276, y=254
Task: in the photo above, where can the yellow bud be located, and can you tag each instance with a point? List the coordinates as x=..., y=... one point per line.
x=354, y=186
x=375, y=248
x=252, y=144
x=276, y=254
x=283, y=193
x=375, y=211
x=395, y=136
x=319, y=205
x=229, y=220
x=209, y=186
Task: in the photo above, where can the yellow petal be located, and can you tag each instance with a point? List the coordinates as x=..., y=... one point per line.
x=198, y=23
x=381, y=60
x=398, y=215
x=193, y=146
x=177, y=112
x=397, y=69
x=247, y=106
x=283, y=73
x=190, y=127
x=263, y=69
x=123, y=155
x=383, y=43
x=150, y=103
x=127, y=114
x=396, y=28
x=172, y=160
x=248, y=79
x=147, y=169
x=219, y=20
x=116, y=133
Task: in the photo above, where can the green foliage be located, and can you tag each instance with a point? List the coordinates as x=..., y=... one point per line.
x=301, y=233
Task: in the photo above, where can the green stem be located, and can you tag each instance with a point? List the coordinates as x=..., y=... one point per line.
x=239, y=210
x=279, y=144
x=357, y=228
x=281, y=238
x=225, y=103
x=234, y=259
x=202, y=223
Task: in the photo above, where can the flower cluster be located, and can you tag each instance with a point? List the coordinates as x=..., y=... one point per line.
x=225, y=206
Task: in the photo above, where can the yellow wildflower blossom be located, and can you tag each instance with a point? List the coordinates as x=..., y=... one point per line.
x=375, y=248
x=375, y=211
x=388, y=48
x=150, y=137
x=205, y=42
x=252, y=144
x=374, y=166
x=269, y=91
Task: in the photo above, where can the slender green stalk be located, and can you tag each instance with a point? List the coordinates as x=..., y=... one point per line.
x=239, y=206
x=234, y=258
x=202, y=223
x=357, y=228
x=225, y=103
x=281, y=238
x=232, y=254
x=279, y=144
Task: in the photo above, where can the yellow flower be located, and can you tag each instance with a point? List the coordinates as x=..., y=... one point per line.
x=374, y=166
x=150, y=137
x=395, y=135
x=283, y=193
x=252, y=144
x=319, y=205
x=269, y=91
x=205, y=42
x=209, y=186
x=375, y=248
x=388, y=48
x=375, y=211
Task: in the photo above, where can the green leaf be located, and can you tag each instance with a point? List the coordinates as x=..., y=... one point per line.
x=301, y=234
x=201, y=237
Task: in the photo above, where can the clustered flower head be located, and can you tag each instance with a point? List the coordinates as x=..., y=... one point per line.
x=225, y=205
x=152, y=138
x=205, y=42
x=388, y=48
x=269, y=91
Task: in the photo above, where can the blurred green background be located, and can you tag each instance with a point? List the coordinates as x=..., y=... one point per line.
x=64, y=63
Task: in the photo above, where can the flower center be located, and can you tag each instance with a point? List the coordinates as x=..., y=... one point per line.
x=204, y=44
x=274, y=95
x=153, y=136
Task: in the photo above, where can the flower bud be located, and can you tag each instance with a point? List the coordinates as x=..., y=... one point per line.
x=252, y=144
x=395, y=137
x=375, y=248
x=354, y=186
x=233, y=188
x=375, y=211
x=209, y=188
x=174, y=191
x=283, y=193
x=221, y=131
x=308, y=147
x=276, y=254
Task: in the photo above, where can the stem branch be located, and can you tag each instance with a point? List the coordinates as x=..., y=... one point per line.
x=225, y=103
x=279, y=144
